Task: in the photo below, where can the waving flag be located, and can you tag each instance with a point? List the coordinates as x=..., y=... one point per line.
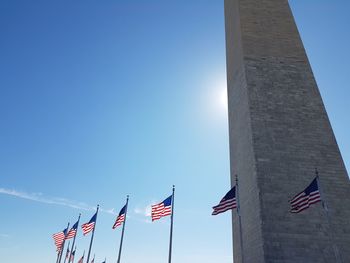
x=304, y=199
x=72, y=255
x=227, y=202
x=121, y=218
x=81, y=260
x=88, y=227
x=59, y=238
x=162, y=209
x=73, y=231
x=67, y=252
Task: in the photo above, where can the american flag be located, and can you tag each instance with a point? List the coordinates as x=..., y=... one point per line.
x=88, y=227
x=73, y=231
x=162, y=209
x=93, y=260
x=304, y=199
x=59, y=238
x=121, y=218
x=67, y=253
x=81, y=260
x=227, y=202
x=72, y=256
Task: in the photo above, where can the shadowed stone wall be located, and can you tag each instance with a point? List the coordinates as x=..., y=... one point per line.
x=279, y=132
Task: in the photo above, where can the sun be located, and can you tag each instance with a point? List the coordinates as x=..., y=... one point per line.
x=223, y=97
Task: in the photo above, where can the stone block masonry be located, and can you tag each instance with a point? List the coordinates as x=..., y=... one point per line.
x=279, y=133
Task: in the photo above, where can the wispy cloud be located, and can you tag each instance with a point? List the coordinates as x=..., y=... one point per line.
x=4, y=235
x=109, y=211
x=41, y=198
x=145, y=212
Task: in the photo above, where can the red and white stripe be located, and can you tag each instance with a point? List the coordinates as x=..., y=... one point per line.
x=81, y=259
x=303, y=201
x=87, y=227
x=71, y=258
x=159, y=210
x=67, y=253
x=119, y=221
x=71, y=233
x=58, y=238
x=223, y=206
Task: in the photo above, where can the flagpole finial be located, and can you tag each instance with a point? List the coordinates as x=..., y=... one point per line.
x=316, y=171
x=236, y=177
x=127, y=196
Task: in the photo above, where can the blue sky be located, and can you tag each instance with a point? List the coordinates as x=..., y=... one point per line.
x=100, y=99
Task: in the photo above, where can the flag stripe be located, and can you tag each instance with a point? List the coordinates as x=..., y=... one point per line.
x=72, y=256
x=121, y=217
x=162, y=209
x=119, y=221
x=224, y=203
x=224, y=208
x=303, y=200
x=307, y=200
x=227, y=202
x=87, y=227
x=71, y=233
x=59, y=239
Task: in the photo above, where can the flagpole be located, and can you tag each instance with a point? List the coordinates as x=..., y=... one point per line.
x=67, y=252
x=122, y=236
x=75, y=250
x=239, y=220
x=324, y=204
x=83, y=256
x=58, y=255
x=74, y=238
x=92, y=236
x=171, y=224
x=64, y=240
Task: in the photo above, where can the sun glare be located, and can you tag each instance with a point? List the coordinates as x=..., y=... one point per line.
x=214, y=103
x=223, y=97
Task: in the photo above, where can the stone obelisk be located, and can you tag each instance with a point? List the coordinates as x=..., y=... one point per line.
x=279, y=133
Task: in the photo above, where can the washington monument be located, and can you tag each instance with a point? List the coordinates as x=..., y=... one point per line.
x=279, y=133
